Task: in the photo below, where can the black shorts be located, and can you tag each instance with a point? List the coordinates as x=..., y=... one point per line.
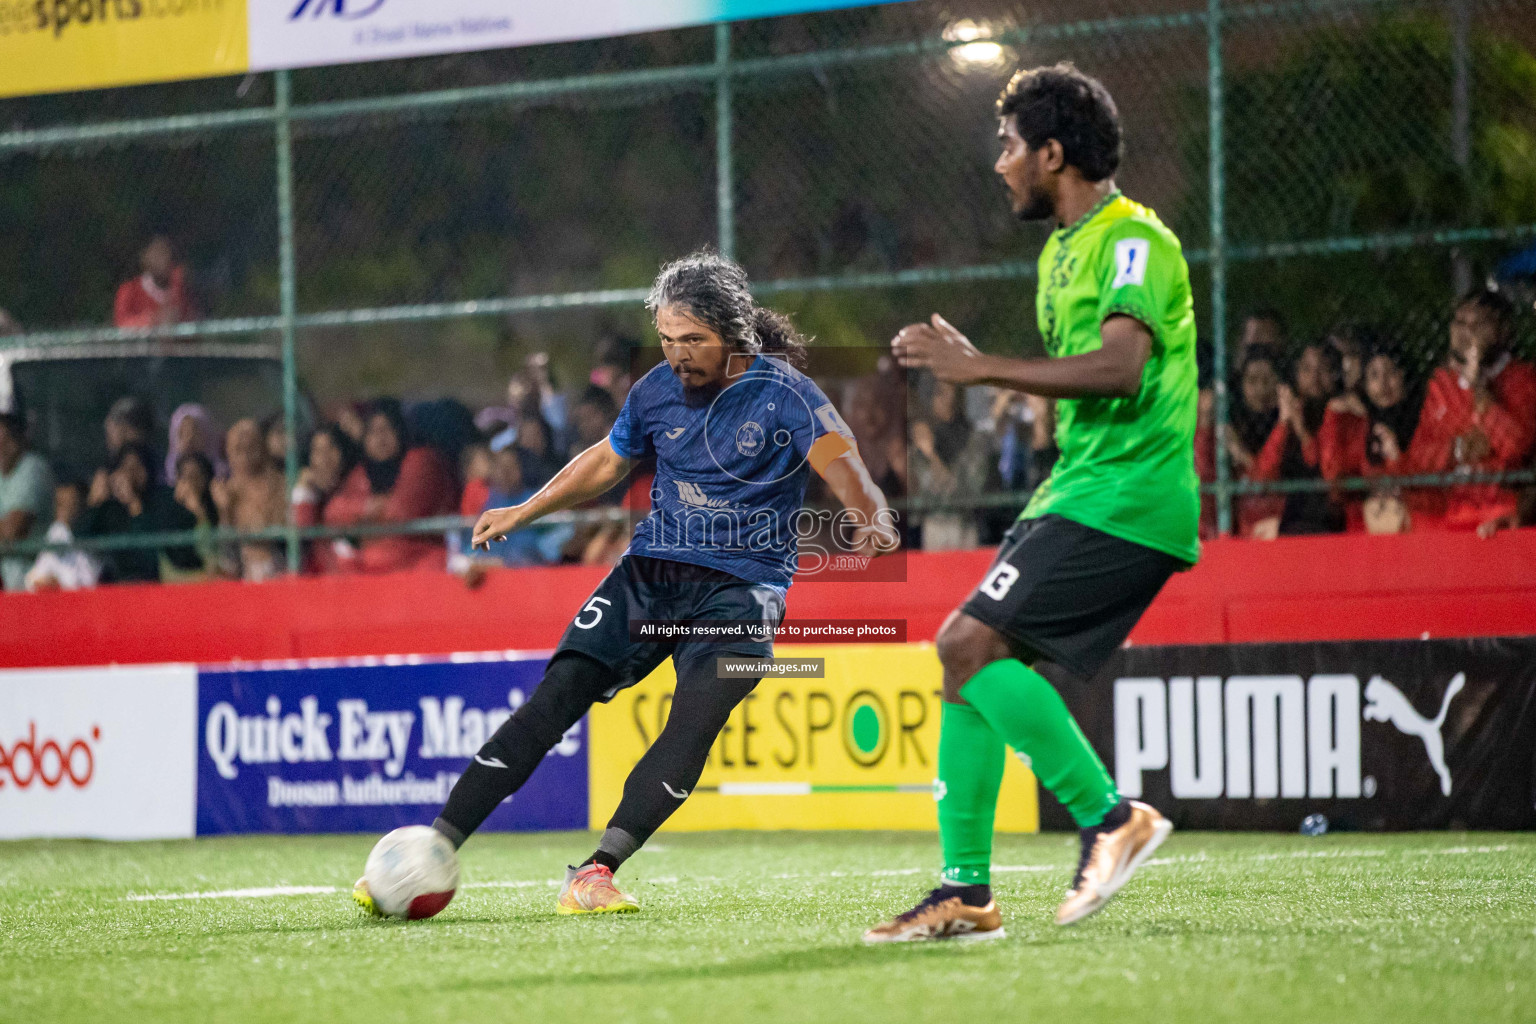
x=1068, y=593
x=641, y=588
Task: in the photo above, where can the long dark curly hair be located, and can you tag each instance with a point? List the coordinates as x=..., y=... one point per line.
x=714, y=291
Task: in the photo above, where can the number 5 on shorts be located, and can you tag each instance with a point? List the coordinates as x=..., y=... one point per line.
x=998, y=581
x=597, y=613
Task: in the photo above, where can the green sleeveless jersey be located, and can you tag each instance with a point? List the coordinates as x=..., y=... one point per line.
x=1127, y=464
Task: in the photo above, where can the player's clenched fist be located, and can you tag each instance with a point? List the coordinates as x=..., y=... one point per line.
x=495, y=524
x=939, y=347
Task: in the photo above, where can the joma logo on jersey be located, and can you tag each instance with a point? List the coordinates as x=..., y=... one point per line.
x=690, y=493
x=1245, y=737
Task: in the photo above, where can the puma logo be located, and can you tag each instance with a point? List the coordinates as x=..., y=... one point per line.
x=1386, y=703
x=675, y=433
x=675, y=793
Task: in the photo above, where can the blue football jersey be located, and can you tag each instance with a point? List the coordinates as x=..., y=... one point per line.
x=731, y=470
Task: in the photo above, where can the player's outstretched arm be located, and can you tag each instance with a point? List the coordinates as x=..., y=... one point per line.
x=585, y=477
x=874, y=524
x=1111, y=371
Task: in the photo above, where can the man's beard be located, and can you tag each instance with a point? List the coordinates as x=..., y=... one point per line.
x=1038, y=206
x=698, y=394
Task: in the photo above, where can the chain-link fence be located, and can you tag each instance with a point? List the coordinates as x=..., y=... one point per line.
x=1343, y=168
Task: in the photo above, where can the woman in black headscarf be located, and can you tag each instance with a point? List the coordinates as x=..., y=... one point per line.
x=1252, y=420
x=135, y=503
x=1291, y=453
x=394, y=483
x=1366, y=434
x=329, y=460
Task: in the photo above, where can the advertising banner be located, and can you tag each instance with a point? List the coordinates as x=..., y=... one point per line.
x=299, y=33
x=1373, y=735
x=854, y=749
x=63, y=45
x=368, y=748
x=60, y=45
x=100, y=753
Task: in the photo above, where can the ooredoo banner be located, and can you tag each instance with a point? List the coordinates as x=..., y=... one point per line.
x=1411, y=734
x=857, y=748
x=102, y=753
x=368, y=748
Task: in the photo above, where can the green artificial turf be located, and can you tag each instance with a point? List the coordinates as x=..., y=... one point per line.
x=765, y=927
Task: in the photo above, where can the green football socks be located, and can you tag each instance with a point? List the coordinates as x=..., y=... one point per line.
x=1025, y=710
x=1029, y=714
x=970, y=773
x=1009, y=701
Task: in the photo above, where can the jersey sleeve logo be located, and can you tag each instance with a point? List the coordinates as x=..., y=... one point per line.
x=1131, y=261
x=831, y=422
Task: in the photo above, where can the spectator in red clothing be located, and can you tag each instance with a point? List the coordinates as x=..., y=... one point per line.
x=1290, y=452
x=1479, y=413
x=1365, y=434
x=158, y=296
x=331, y=457
x=395, y=483
x=1254, y=417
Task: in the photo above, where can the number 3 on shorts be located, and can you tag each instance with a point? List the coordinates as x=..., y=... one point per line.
x=597, y=613
x=998, y=581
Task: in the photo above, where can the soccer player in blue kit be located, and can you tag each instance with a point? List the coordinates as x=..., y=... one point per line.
x=736, y=429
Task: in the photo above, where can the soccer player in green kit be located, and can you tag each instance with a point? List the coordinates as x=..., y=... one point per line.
x=1100, y=537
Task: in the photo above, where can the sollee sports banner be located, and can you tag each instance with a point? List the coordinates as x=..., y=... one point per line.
x=97, y=753
x=63, y=45
x=368, y=748
x=1375, y=735
x=856, y=749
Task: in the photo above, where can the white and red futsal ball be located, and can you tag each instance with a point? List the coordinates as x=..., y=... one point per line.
x=412, y=873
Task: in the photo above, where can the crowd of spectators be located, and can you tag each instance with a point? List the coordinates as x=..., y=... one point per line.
x=1345, y=407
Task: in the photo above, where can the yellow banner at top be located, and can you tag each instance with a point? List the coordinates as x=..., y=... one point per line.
x=64, y=45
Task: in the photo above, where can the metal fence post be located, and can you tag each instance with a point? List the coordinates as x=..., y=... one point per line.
x=1461, y=126
x=288, y=299
x=725, y=171
x=1218, y=267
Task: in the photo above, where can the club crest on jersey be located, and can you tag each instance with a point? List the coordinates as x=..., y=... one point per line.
x=750, y=438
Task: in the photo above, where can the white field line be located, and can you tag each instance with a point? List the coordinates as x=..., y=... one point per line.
x=537, y=883
x=235, y=894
